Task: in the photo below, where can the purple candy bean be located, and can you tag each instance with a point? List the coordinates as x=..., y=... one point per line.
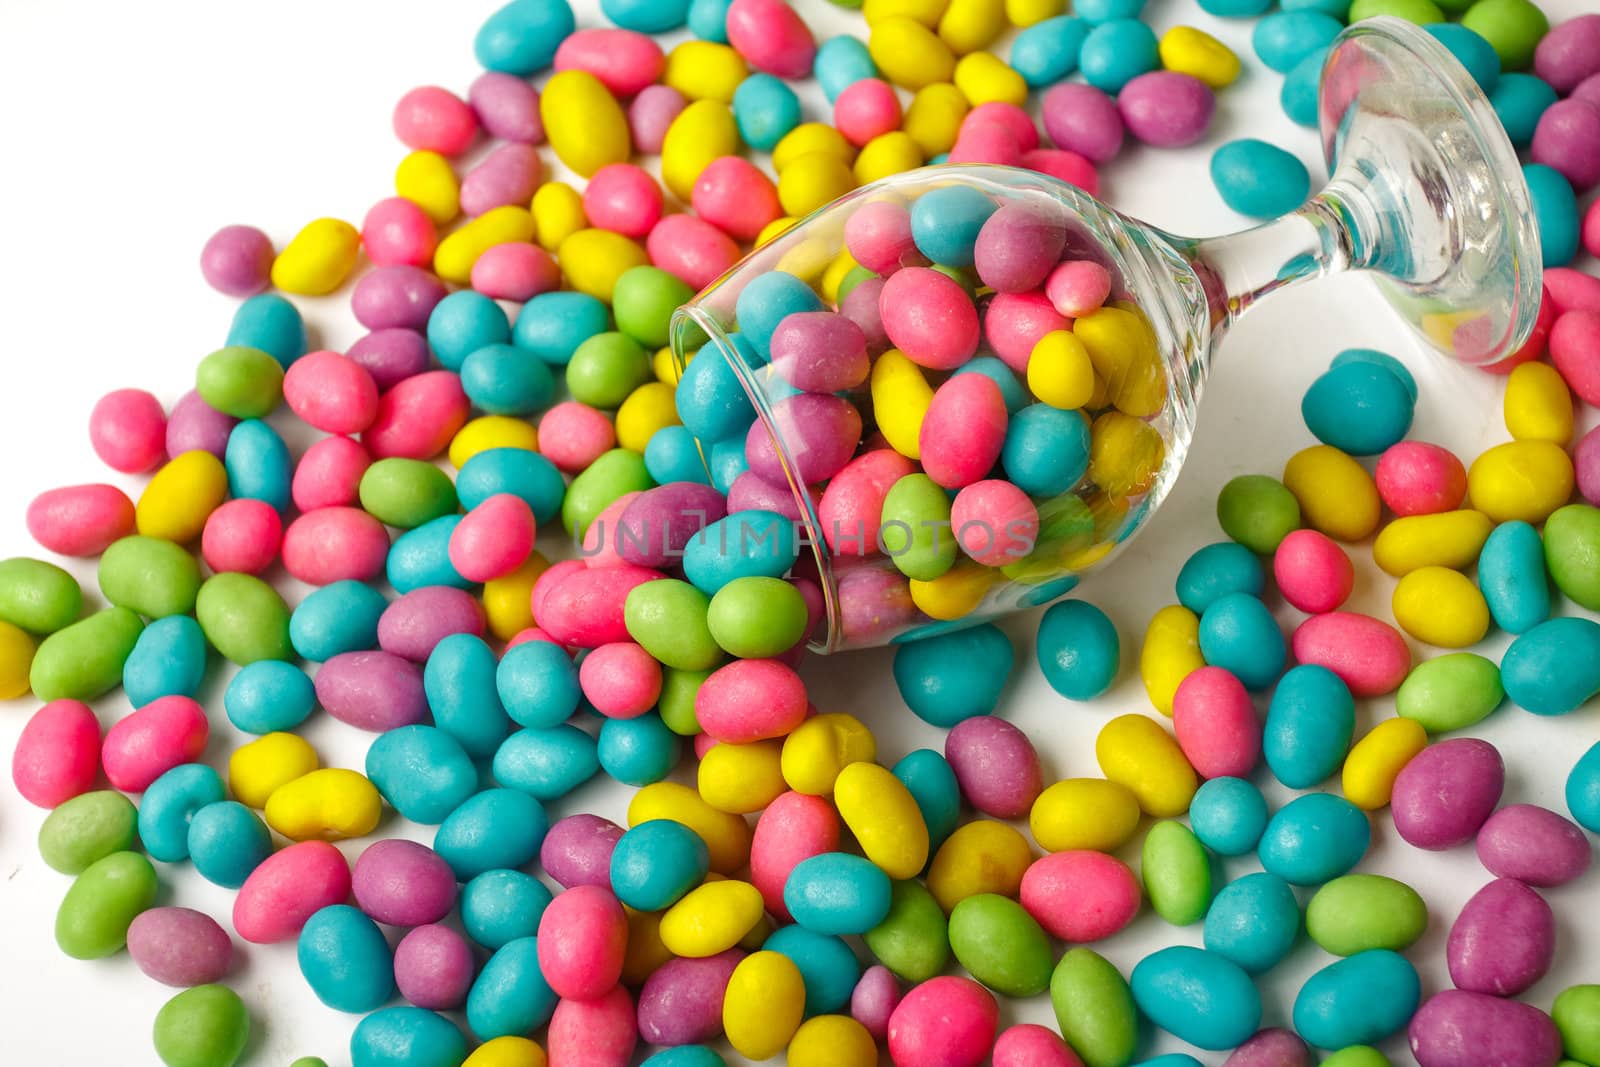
x=873, y=601
x=861, y=308
x=403, y=883
x=577, y=850
x=508, y=175
x=507, y=107
x=651, y=112
x=1082, y=119
x=1446, y=793
x=656, y=526
x=374, y=691
x=996, y=766
x=820, y=351
x=396, y=297
x=180, y=946
x=412, y=625
x=876, y=996
x=1166, y=109
x=1018, y=246
x=391, y=356
x=819, y=432
x=1503, y=940
x=1588, y=90
x=1569, y=53
x=1567, y=139
x=1533, y=845
x=195, y=426
x=681, y=1002
x=1456, y=1028
x=433, y=968
x=1271, y=1048
x=751, y=492
x=237, y=261
x=1586, y=458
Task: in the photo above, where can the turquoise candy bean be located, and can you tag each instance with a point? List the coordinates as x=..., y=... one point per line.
x=841, y=62
x=1197, y=996
x=1047, y=51
x=1553, y=668
x=637, y=751
x=1217, y=570
x=1171, y=1059
x=1512, y=577
x=1339, y=9
x=270, y=323
x=404, y=1036
x=268, y=696
x=746, y=544
x=728, y=461
x=226, y=842
x=538, y=684
x=1046, y=450
x=517, y=471
x=553, y=325
x=1471, y=50
x=837, y=893
x=931, y=781
x=1254, y=921
x=510, y=995
x=1259, y=179
x=994, y=368
x=827, y=966
x=1359, y=1000
x=672, y=455
x=168, y=659
x=492, y=829
x=1314, y=838
x=1078, y=649
x=169, y=804
x=546, y=763
x=1583, y=790
x=462, y=323
x=521, y=38
x=459, y=681
x=498, y=907
x=954, y=676
x=258, y=464
x=1360, y=408
x=656, y=863
x=345, y=959
x=1097, y=11
x=711, y=402
x=1228, y=815
x=765, y=109
x=767, y=300
x=1381, y=359
x=422, y=772
x=1239, y=634
x=1309, y=724
x=646, y=16
x=708, y=20
x=686, y=1055
x=342, y=617
x=1298, y=96
x=420, y=557
x=1116, y=52
x=502, y=379
x=945, y=223
x=1284, y=38
x=1519, y=99
x=1235, y=9
x=1555, y=206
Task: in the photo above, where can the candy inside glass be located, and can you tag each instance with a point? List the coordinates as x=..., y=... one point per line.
x=1426, y=195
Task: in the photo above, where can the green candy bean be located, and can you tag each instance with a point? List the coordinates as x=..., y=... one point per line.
x=84, y=661
x=1576, y=1012
x=1512, y=27
x=244, y=618
x=206, y=1026
x=668, y=619
x=37, y=596
x=1066, y=526
x=613, y=474
x=406, y=492
x=1572, y=553
x=1176, y=873
x=1357, y=1056
x=1362, y=911
x=676, y=703
x=913, y=940
x=240, y=381
x=757, y=618
x=1420, y=12
x=93, y=920
x=309, y=1061
x=606, y=368
x=1450, y=692
x=644, y=300
x=1258, y=512
x=150, y=576
x=86, y=829
x=915, y=531
x=1001, y=945
x=1094, y=1009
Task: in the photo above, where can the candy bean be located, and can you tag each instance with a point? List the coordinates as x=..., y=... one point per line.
x=1356, y=1001
x=1455, y=1020
x=103, y=901
x=179, y=946
x=406, y=1034
x=1446, y=793
x=206, y=1026
x=1359, y=912
x=1549, y=670
x=979, y=857
x=1484, y=954
x=1216, y=725
x=86, y=829
x=1094, y=1008
x=57, y=756
x=1136, y=752
x=1254, y=921
x=1369, y=656
x=1315, y=837
x=1533, y=845
x=1228, y=1014
x=1228, y=815
x=1450, y=692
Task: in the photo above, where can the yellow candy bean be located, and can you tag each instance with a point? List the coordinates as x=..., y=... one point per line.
x=705, y=70
x=1524, y=480
x=1125, y=454
x=727, y=837
x=1337, y=496
x=318, y=259
x=806, y=259
x=491, y=431
x=508, y=600
x=1135, y=751
x=330, y=804
x=1122, y=348
x=557, y=214
x=763, y=1005
x=818, y=749
x=645, y=951
x=807, y=138
x=649, y=408
x=983, y=856
x=984, y=78
x=833, y=275
x=181, y=496
x=1440, y=606
x=711, y=918
x=886, y=155
x=665, y=368
x=832, y=1041
x=1538, y=404
x=1377, y=759
x=900, y=398
x=258, y=769
x=883, y=815
x=927, y=12
x=702, y=133
x=1171, y=652
x=426, y=179
x=972, y=25
x=1060, y=372
x=507, y=1051
x=16, y=658
x=933, y=118
x=741, y=779
x=774, y=229
x=1196, y=53
x=956, y=593
x=583, y=122
x=592, y=260
x=458, y=251
x=1084, y=813
x=1023, y=13
x=1447, y=539
x=811, y=181
x=909, y=54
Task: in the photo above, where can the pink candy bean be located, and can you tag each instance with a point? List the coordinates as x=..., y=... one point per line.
x=874, y=999
x=374, y=691
x=331, y=392
x=329, y=474
x=287, y=888
x=874, y=602
x=398, y=233
x=929, y=317
x=574, y=435
x=601, y=545
x=794, y=827
x=820, y=352
x=1538, y=338
x=58, y=754
x=180, y=946
x=878, y=236
x=577, y=850
x=735, y=196
x=1069, y=167
x=1312, y=572
x=515, y=271
x=403, y=883
x=944, y=1022
x=1369, y=656
x=507, y=107
x=852, y=506
x=996, y=766
x=1445, y=794
x=1014, y=322
x=1018, y=246
x=1575, y=350
x=195, y=426
x=1503, y=941
x=493, y=539
x=397, y=297
x=1216, y=724
x=1081, y=896
x=690, y=248
x=1166, y=109
x=242, y=535
x=1010, y=116
x=681, y=1002
x=417, y=417
x=623, y=198
x=986, y=142
x=391, y=356
x=866, y=109
x=1416, y=478
x=128, y=430
x=412, y=625
x=1078, y=287
x=435, y=119
x=1572, y=290
x=1031, y=1045
x=994, y=522
x=434, y=967
x=621, y=680
x=861, y=308
x=1455, y=1028
x=331, y=544
x=1586, y=461
x=506, y=176
x=626, y=62
x=582, y=938
x=144, y=745
x=819, y=431
x=553, y=576
x=593, y=1033
x=750, y=700
x=80, y=520
x=584, y=609
x=649, y=116
x=237, y=261
x=772, y=37
x=1082, y=119
x=1591, y=221
x=963, y=430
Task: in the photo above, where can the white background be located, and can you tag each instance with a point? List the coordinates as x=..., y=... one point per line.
x=133, y=131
